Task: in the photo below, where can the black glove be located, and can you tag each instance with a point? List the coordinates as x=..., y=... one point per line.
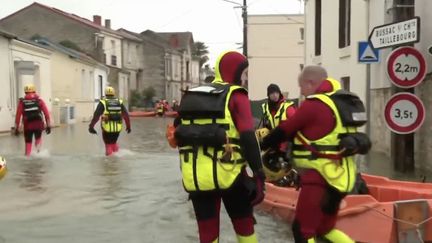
x=128, y=130
x=16, y=132
x=276, y=137
x=92, y=130
x=48, y=130
x=258, y=195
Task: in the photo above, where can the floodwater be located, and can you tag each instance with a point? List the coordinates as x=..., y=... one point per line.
x=70, y=192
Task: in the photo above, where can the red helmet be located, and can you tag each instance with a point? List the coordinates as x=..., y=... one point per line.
x=230, y=66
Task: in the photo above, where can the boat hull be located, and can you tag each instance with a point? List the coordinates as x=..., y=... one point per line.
x=367, y=218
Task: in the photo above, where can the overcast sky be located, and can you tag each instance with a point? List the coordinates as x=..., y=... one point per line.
x=215, y=22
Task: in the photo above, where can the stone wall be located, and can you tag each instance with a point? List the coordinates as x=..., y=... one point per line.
x=423, y=142
x=154, y=68
x=380, y=134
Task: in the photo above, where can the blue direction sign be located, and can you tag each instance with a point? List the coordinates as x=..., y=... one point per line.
x=366, y=53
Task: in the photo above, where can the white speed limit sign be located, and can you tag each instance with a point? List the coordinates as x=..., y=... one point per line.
x=406, y=67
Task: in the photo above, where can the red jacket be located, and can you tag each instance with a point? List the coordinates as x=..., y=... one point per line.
x=289, y=111
x=32, y=125
x=313, y=118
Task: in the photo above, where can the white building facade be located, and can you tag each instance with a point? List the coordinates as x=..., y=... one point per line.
x=333, y=29
x=6, y=96
x=275, y=53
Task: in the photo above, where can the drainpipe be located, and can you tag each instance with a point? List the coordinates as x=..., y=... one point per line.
x=368, y=76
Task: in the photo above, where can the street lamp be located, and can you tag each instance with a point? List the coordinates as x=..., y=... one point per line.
x=244, y=16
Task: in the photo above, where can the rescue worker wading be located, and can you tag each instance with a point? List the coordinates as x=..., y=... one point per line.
x=216, y=140
x=112, y=112
x=31, y=108
x=324, y=129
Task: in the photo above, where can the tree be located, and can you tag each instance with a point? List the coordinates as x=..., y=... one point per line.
x=200, y=50
x=149, y=93
x=136, y=99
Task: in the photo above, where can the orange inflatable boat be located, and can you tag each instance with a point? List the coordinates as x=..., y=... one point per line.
x=393, y=211
x=151, y=114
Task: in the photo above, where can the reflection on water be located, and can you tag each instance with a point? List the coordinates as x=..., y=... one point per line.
x=71, y=192
x=380, y=164
x=31, y=173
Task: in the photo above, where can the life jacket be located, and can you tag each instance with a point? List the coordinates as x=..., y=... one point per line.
x=328, y=155
x=112, y=120
x=207, y=138
x=160, y=108
x=280, y=115
x=32, y=109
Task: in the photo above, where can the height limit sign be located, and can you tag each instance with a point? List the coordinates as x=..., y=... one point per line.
x=406, y=67
x=404, y=113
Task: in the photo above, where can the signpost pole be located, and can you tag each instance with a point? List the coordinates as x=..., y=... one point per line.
x=402, y=145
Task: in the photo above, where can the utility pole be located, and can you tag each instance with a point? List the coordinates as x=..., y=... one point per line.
x=402, y=145
x=245, y=22
x=245, y=27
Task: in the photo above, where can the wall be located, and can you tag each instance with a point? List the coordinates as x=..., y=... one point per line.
x=339, y=62
x=123, y=89
x=154, y=68
x=195, y=71
x=132, y=61
x=365, y=16
x=423, y=141
x=99, y=89
x=22, y=51
x=275, y=52
x=74, y=80
x=6, y=114
x=112, y=46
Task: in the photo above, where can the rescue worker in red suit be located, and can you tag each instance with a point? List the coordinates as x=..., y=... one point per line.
x=31, y=108
x=316, y=122
x=275, y=110
x=160, y=108
x=216, y=140
x=113, y=112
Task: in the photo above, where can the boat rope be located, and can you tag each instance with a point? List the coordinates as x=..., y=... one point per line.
x=403, y=221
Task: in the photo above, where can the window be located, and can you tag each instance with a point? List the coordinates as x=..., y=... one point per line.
x=90, y=87
x=345, y=81
x=83, y=84
x=344, y=23
x=113, y=46
x=317, y=27
x=128, y=54
x=301, y=33
x=187, y=71
x=86, y=84
x=113, y=60
x=168, y=67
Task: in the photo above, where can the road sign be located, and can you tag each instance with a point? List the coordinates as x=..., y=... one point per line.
x=404, y=113
x=366, y=53
x=406, y=67
x=397, y=33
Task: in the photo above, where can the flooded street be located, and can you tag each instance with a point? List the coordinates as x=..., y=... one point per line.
x=70, y=192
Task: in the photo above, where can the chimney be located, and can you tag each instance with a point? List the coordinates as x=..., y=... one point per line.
x=97, y=19
x=108, y=23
